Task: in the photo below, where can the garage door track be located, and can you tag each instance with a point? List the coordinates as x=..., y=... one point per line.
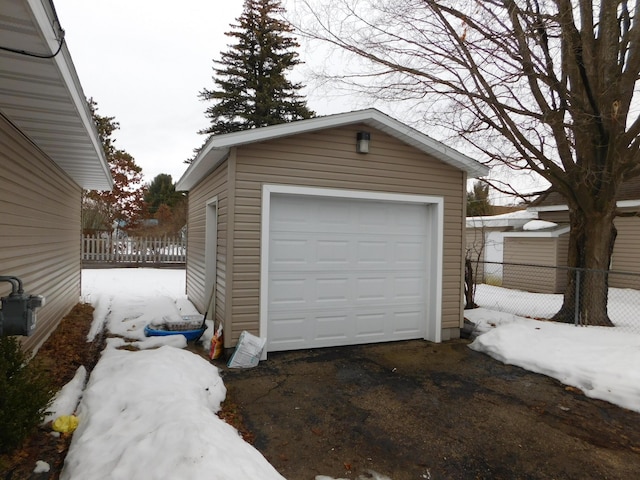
x=417, y=410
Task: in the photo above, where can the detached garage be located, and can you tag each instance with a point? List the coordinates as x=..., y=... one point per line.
x=302, y=234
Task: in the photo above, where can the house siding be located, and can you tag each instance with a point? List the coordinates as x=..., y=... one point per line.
x=328, y=159
x=40, y=217
x=560, y=216
x=535, y=251
x=562, y=254
x=626, y=256
x=214, y=185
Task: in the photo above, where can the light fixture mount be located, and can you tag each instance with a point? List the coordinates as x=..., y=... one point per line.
x=362, y=142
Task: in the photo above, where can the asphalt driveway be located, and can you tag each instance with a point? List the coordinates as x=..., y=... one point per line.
x=418, y=410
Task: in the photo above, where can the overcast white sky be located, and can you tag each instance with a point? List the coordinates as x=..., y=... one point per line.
x=145, y=61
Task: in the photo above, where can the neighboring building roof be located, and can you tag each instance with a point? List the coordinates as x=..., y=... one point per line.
x=628, y=196
x=523, y=223
x=506, y=220
x=43, y=97
x=218, y=146
x=539, y=230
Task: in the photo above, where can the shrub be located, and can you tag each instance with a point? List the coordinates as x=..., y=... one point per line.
x=25, y=394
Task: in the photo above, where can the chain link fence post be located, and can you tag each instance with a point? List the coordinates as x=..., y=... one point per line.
x=576, y=307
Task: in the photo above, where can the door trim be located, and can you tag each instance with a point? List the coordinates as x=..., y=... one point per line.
x=211, y=253
x=435, y=208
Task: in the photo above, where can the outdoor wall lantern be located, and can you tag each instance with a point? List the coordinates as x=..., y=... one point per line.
x=362, y=142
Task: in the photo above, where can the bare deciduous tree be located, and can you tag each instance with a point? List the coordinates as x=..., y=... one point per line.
x=547, y=86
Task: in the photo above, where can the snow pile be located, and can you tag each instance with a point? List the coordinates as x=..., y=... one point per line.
x=151, y=414
x=127, y=299
x=66, y=400
x=41, y=467
x=538, y=225
x=600, y=361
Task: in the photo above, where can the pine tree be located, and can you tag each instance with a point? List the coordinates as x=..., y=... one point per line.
x=251, y=87
x=162, y=191
x=478, y=200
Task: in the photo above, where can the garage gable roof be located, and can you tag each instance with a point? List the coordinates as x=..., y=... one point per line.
x=41, y=95
x=217, y=147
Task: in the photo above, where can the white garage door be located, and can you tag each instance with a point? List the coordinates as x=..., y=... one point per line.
x=345, y=271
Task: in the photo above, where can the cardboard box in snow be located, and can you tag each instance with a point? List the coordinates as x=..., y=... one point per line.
x=248, y=351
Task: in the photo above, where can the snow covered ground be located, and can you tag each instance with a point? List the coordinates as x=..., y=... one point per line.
x=623, y=307
x=602, y=362
x=151, y=413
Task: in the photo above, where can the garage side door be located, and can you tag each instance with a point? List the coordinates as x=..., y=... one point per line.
x=345, y=271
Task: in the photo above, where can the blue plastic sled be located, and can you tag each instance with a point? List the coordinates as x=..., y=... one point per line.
x=189, y=334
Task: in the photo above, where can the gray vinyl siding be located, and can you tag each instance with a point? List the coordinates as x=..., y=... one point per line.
x=562, y=255
x=626, y=253
x=328, y=159
x=40, y=218
x=216, y=184
x=535, y=251
x=560, y=216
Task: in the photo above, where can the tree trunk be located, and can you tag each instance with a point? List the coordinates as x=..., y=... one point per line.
x=591, y=243
x=469, y=285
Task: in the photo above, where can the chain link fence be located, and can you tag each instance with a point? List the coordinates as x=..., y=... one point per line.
x=537, y=291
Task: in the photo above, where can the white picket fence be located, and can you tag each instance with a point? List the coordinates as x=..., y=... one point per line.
x=134, y=250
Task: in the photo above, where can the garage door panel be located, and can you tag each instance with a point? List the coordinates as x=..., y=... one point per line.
x=321, y=328
x=331, y=251
x=288, y=332
x=369, y=252
x=408, y=322
x=331, y=290
x=327, y=215
x=370, y=289
x=331, y=326
x=409, y=252
x=409, y=288
x=346, y=254
x=286, y=292
x=344, y=271
x=286, y=251
x=371, y=325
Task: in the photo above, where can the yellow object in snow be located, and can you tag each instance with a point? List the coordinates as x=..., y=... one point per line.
x=65, y=424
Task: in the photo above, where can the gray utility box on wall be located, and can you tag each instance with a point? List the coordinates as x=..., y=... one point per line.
x=18, y=313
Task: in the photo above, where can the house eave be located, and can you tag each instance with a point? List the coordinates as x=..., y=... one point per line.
x=549, y=208
x=371, y=117
x=564, y=208
x=43, y=98
x=489, y=222
x=556, y=232
x=199, y=169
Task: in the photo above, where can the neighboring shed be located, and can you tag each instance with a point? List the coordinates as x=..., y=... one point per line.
x=310, y=243
x=49, y=152
x=626, y=254
x=547, y=247
x=485, y=242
